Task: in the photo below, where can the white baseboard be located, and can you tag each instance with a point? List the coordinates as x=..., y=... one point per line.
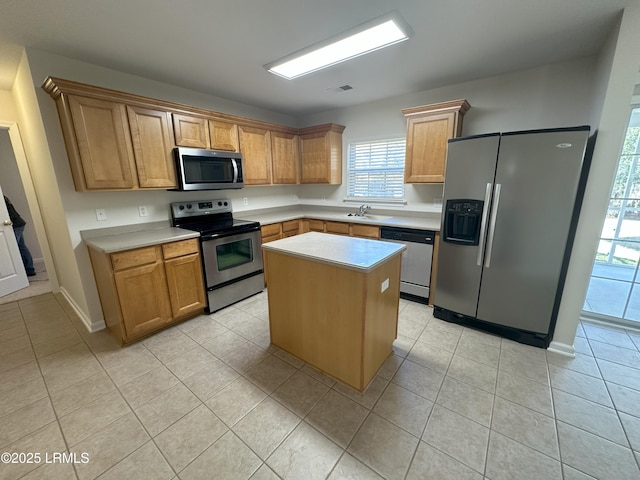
x=562, y=349
x=84, y=318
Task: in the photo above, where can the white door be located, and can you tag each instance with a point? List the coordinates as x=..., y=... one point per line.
x=12, y=274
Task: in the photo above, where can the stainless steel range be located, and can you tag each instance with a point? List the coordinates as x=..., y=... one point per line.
x=231, y=250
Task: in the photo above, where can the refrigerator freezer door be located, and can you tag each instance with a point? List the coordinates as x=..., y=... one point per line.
x=471, y=166
x=539, y=180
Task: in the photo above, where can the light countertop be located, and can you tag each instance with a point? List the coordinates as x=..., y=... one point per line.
x=347, y=252
x=120, y=241
x=425, y=221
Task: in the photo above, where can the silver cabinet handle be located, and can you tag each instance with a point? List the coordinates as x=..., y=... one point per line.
x=7, y=223
x=483, y=222
x=235, y=170
x=492, y=226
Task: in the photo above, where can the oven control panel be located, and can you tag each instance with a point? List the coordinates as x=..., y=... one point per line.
x=200, y=207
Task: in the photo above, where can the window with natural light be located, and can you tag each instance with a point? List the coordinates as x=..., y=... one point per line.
x=614, y=288
x=375, y=170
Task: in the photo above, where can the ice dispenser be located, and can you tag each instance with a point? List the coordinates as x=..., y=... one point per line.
x=462, y=221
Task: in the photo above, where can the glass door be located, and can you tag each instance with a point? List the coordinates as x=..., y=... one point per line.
x=614, y=288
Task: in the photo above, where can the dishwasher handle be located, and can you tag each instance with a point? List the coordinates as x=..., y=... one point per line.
x=412, y=235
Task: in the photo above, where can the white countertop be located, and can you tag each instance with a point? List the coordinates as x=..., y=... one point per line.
x=142, y=238
x=425, y=221
x=347, y=252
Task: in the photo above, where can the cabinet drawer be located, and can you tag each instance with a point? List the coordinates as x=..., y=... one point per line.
x=133, y=258
x=270, y=238
x=337, y=227
x=178, y=249
x=270, y=230
x=316, y=225
x=290, y=227
x=367, y=231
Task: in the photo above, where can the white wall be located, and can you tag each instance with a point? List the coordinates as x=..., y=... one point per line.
x=618, y=67
x=558, y=95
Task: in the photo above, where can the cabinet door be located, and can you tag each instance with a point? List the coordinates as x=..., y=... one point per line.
x=223, y=136
x=104, y=144
x=144, y=299
x=339, y=228
x=191, y=131
x=186, y=287
x=314, y=164
x=427, y=147
x=365, y=231
x=255, y=145
x=152, y=144
x=285, y=157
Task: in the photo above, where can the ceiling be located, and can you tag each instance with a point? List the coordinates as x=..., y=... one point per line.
x=220, y=46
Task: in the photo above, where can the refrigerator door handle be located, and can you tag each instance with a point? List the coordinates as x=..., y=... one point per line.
x=492, y=225
x=483, y=223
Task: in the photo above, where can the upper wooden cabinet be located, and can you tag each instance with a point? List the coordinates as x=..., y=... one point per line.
x=200, y=132
x=117, y=141
x=223, y=136
x=321, y=154
x=113, y=144
x=191, y=131
x=255, y=145
x=285, y=157
x=428, y=129
x=97, y=130
x=152, y=145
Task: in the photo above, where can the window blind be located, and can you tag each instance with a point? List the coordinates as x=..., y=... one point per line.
x=375, y=170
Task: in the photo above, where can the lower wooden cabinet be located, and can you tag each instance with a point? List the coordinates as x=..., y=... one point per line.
x=145, y=289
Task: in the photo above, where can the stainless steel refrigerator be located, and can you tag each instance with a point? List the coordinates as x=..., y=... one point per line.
x=510, y=207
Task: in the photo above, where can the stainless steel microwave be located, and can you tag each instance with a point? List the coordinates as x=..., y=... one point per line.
x=198, y=169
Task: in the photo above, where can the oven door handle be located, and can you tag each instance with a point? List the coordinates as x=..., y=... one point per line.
x=213, y=236
x=235, y=170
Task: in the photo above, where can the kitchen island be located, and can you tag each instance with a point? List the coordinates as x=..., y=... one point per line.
x=333, y=302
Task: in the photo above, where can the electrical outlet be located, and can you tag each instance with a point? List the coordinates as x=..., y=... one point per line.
x=384, y=285
x=142, y=211
x=101, y=214
x=245, y=201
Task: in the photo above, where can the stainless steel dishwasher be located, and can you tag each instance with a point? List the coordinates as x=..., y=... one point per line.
x=416, y=259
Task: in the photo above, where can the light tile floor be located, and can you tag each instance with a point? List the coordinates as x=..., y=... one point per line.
x=211, y=399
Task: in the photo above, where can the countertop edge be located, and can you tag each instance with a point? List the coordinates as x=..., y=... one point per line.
x=139, y=239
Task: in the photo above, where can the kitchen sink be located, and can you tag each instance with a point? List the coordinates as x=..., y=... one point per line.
x=368, y=216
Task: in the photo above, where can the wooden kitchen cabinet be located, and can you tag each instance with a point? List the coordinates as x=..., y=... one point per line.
x=97, y=137
x=223, y=136
x=365, y=231
x=271, y=232
x=339, y=228
x=285, y=158
x=145, y=289
x=119, y=141
x=429, y=127
x=321, y=154
x=290, y=228
x=255, y=145
x=113, y=144
x=152, y=140
x=190, y=131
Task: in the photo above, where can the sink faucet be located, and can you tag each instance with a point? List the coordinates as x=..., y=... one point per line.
x=362, y=209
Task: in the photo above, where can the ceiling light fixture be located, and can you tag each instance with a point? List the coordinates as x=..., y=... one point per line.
x=367, y=37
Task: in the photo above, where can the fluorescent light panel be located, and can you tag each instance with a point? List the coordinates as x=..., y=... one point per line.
x=368, y=37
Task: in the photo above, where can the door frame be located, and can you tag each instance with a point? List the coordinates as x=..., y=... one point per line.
x=32, y=200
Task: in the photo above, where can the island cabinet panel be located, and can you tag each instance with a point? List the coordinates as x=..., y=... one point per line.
x=340, y=320
x=255, y=145
x=191, y=131
x=285, y=158
x=100, y=135
x=152, y=140
x=223, y=136
x=429, y=127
